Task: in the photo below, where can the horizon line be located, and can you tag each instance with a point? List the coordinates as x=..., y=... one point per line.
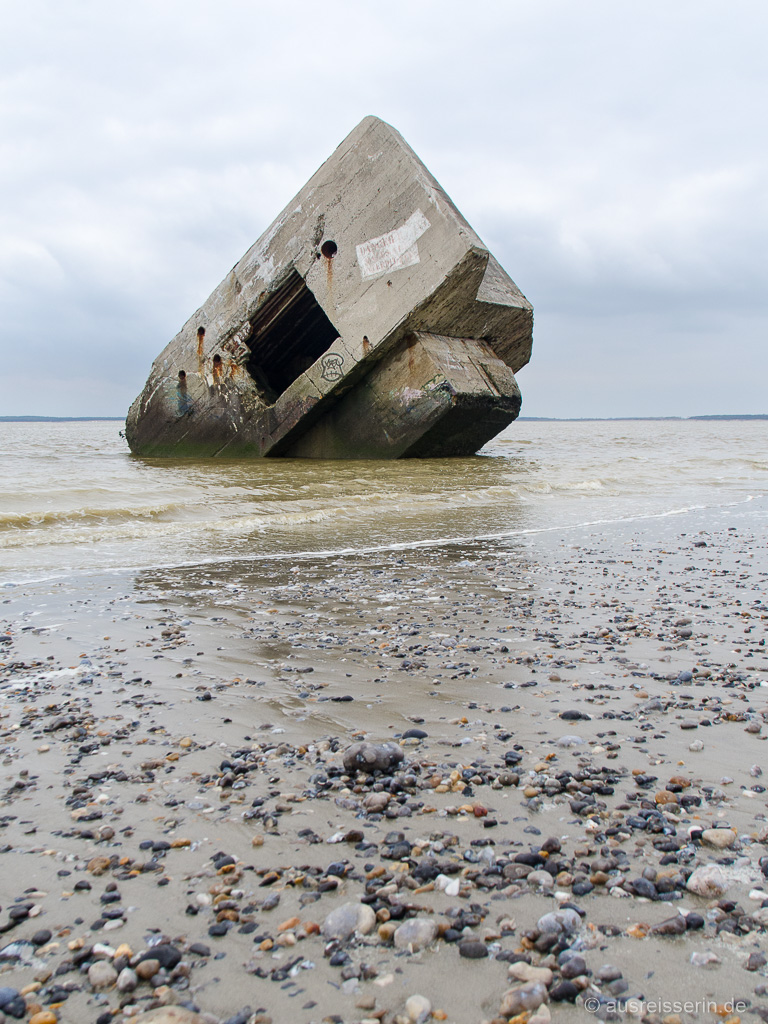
x=520, y=419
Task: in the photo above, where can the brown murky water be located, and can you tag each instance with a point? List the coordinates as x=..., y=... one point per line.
x=74, y=499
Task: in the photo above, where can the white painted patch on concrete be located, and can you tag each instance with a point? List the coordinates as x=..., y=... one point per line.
x=393, y=251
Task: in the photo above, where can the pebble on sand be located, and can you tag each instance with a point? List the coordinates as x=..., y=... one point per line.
x=418, y=1009
x=523, y=997
x=670, y=926
x=344, y=921
x=415, y=933
x=557, y=921
x=521, y=971
x=722, y=838
x=708, y=881
x=102, y=974
x=372, y=757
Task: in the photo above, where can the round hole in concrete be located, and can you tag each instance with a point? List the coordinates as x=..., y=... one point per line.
x=182, y=375
x=201, y=332
x=217, y=360
x=329, y=249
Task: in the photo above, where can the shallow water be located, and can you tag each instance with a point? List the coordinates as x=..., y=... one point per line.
x=74, y=500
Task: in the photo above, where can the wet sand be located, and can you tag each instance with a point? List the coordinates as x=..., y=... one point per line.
x=575, y=713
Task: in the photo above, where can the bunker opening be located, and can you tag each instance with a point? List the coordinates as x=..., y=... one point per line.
x=288, y=334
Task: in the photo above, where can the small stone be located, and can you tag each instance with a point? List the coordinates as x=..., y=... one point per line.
x=617, y=987
x=638, y=931
x=147, y=969
x=541, y=880
x=200, y=949
x=43, y=1017
x=721, y=838
x=375, y=803
x=680, y=780
x=557, y=921
x=167, y=955
x=418, y=1009
x=372, y=757
x=574, y=967
x=127, y=980
x=450, y=886
x=654, y=704
x=608, y=973
x=102, y=974
x=671, y=926
x=707, y=959
x=521, y=971
x=755, y=961
x=644, y=888
x=7, y=995
x=473, y=949
x=665, y=797
x=541, y=1015
x=416, y=933
x=289, y=924
x=523, y=997
x=99, y=865
x=165, y=995
x=344, y=921
x=707, y=881
x=16, y=1008
x=564, y=992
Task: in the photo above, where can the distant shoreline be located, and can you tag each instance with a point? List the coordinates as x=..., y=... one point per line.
x=521, y=419
x=644, y=419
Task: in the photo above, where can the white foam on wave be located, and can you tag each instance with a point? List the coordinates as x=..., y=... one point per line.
x=383, y=548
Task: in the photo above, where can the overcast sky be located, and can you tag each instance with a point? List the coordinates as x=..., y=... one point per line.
x=613, y=155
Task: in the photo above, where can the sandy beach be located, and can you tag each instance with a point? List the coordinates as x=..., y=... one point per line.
x=383, y=513
x=567, y=720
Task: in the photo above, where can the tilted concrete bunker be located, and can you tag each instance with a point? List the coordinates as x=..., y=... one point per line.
x=368, y=321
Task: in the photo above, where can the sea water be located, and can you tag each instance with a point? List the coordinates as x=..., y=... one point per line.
x=74, y=501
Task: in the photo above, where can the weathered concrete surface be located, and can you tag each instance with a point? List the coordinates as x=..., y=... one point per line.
x=432, y=396
x=368, y=321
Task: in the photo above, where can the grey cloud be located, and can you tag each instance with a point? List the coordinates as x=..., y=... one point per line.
x=610, y=154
